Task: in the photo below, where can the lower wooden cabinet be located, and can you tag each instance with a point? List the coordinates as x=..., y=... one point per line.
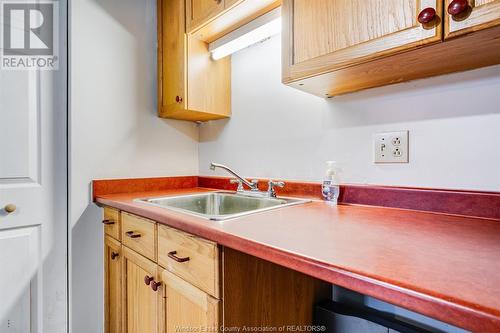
x=194, y=282
x=187, y=306
x=113, y=285
x=141, y=303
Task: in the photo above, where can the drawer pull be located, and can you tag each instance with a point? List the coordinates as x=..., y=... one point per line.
x=10, y=208
x=114, y=255
x=148, y=279
x=155, y=285
x=172, y=255
x=108, y=222
x=132, y=235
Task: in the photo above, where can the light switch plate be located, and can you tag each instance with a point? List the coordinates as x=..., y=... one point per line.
x=391, y=147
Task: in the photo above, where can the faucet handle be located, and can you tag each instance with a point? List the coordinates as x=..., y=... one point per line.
x=255, y=182
x=272, y=184
x=239, y=182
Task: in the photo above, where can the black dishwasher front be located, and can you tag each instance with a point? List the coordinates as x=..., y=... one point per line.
x=342, y=318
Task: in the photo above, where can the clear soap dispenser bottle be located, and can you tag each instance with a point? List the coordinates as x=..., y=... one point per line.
x=331, y=184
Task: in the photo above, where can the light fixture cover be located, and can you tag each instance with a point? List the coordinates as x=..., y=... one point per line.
x=255, y=31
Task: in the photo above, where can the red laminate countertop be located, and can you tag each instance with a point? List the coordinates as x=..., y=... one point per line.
x=443, y=266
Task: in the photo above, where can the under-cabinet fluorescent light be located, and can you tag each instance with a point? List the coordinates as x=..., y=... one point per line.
x=255, y=31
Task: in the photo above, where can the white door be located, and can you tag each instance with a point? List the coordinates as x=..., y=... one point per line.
x=33, y=197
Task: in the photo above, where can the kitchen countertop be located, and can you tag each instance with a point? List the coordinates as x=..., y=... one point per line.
x=443, y=266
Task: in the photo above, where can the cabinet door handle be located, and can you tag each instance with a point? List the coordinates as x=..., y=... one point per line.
x=172, y=255
x=427, y=15
x=178, y=99
x=114, y=255
x=155, y=285
x=148, y=279
x=132, y=235
x=108, y=222
x=457, y=7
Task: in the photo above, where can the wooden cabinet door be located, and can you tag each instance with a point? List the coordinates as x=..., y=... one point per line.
x=188, y=306
x=480, y=14
x=140, y=301
x=172, y=57
x=200, y=12
x=325, y=35
x=112, y=285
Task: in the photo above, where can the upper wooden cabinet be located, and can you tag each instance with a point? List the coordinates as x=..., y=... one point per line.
x=191, y=86
x=328, y=34
x=332, y=47
x=235, y=14
x=472, y=15
x=200, y=11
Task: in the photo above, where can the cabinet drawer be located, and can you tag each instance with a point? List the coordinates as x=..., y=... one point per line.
x=189, y=257
x=139, y=234
x=111, y=222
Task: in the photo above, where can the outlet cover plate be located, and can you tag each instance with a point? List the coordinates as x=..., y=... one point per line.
x=391, y=147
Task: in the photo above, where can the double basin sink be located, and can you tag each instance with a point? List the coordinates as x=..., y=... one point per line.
x=220, y=205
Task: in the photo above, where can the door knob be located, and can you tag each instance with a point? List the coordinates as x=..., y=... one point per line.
x=457, y=7
x=10, y=208
x=427, y=15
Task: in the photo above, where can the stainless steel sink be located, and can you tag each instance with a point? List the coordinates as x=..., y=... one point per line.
x=220, y=205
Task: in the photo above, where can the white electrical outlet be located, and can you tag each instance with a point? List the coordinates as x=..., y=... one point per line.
x=391, y=147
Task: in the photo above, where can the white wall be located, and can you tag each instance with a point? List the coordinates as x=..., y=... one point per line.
x=277, y=131
x=114, y=130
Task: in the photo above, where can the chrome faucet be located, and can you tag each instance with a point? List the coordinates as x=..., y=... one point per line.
x=252, y=185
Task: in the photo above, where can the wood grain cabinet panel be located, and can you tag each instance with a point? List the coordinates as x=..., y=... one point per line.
x=112, y=285
x=258, y=293
x=236, y=14
x=191, y=85
x=203, y=287
x=172, y=52
x=139, y=234
x=230, y=3
x=195, y=260
x=140, y=301
x=112, y=222
x=188, y=306
x=481, y=14
x=200, y=11
x=330, y=34
x=333, y=47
